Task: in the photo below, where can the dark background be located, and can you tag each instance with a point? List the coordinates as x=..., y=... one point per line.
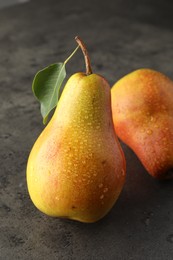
x=121, y=36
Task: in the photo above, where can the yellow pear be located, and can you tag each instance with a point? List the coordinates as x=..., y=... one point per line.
x=76, y=168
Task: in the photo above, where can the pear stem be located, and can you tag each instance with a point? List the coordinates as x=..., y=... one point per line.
x=86, y=56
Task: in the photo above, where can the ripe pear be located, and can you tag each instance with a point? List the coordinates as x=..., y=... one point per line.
x=76, y=168
x=142, y=107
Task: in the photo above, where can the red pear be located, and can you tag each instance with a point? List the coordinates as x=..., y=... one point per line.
x=142, y=106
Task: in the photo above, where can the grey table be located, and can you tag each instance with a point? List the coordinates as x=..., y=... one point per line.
x=121, y=36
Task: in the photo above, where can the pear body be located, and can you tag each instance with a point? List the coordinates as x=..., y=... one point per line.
x=76, y=168
x=142, y=107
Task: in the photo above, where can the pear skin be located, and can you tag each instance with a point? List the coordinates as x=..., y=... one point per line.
x=142, y=107
x=76, y=168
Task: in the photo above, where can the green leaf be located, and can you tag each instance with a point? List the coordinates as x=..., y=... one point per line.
x=46, y=86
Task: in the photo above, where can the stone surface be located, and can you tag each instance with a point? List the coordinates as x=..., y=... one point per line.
x=121, y=36
x=6, y=3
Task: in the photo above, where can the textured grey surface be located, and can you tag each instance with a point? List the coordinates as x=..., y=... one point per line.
x=121, y=36
x=6, y=3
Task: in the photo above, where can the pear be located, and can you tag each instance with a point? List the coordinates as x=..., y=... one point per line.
x=142, y=107
x=76, y=168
